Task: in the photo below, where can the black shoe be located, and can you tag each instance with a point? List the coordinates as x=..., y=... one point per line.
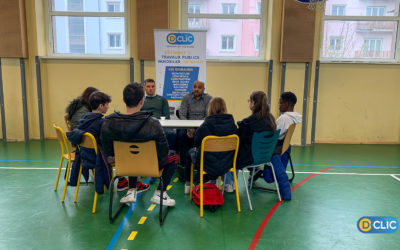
x=257, y=174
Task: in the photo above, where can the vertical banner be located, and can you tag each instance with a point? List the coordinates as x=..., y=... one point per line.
x=180, y=61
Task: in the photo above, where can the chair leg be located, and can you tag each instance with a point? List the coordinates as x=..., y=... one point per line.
x=223, y=186
x=95, y=195
x=237, y=190
x=247, y=191
x=201, y=192
x=291, y=166
x=77, y=184
x=219, y=182
x=161, y=216
x=66, y=180
x=110, y=214
x=191, y=181
x=59, y=172
x=276, y=182
x=252, y=178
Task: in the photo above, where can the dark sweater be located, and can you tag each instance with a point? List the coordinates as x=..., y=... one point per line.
x=158, y=105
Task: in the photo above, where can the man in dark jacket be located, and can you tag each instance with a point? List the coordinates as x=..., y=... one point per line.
x=137, y=126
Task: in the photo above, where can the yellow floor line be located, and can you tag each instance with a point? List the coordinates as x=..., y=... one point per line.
x=142, y=220
x=151, y=207
x=169, y=187
x=133, y=235
x=176, y=179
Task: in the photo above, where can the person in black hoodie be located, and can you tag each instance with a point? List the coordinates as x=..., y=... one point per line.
x=260, y=120
x=91, y=122
x=78, y=107
x=217, y=123
x=137, y=126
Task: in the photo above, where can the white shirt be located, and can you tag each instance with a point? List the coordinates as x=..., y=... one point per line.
x=285, y=120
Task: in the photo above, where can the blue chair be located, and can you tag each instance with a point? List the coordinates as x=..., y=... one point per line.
x=262, y=147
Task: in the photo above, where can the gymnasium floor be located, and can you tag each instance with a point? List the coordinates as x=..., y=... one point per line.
x=357, y=181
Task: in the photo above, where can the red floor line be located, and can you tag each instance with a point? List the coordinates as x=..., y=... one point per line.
x=271, y=212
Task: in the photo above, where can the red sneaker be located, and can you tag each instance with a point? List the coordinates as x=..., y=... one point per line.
x=122, y=184
x=141, y=187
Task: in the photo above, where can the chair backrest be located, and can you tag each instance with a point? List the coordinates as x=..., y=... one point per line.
x=214, y=143
x=62, y=139
x=88, y=141
x=288, y=137
x=136, y=159
x=263, y=146
x=67, y=123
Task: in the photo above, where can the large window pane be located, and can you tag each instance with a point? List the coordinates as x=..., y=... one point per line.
x=227, y=37
x=359, y=39
x=88, y=5
x=88, y=35
x=362, y=8
x=225, y=6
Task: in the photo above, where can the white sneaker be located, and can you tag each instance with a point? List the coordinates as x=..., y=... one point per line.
x=129, y=197
x=229, y=188
x=167, y=201
x=187, y=188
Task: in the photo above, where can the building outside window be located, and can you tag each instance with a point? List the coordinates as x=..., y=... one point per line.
x=257, y=42
x=338, y=10
x=241, y=19
x=113, y=6
x=364, y=30
x=228, y=8
x=227, y=43
x=114, y=41
x=84, y=28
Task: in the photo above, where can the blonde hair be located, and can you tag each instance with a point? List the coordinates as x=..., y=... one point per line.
x=217, y=106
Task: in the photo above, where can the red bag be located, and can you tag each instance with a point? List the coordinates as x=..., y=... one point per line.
x=212, y=196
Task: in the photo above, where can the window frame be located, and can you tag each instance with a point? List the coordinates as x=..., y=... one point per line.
x=395, y=60
x=227, y=43
x=49, y=33
x=109, y=34
x=264, y=30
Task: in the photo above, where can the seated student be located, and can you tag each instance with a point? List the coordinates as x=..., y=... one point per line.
x=218, y=123
x=91, y=122
x=154, y=103
x=133, y=126
x=260, y=120
x=287, y=118
x=78, y=107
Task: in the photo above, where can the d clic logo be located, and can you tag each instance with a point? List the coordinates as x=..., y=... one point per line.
x=378, y=224
x=180, y=38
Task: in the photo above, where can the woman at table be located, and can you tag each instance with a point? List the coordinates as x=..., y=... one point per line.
x=218, y=123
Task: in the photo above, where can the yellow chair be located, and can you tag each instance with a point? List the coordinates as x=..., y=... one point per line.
x=136, y=159
x=213, y=143
x=286, y=144
x=62, y=139
x=87, y=141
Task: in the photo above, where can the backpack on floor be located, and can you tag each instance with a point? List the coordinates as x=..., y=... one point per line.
x=212, y=196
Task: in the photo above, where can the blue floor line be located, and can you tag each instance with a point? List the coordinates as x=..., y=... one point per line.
x=26, y=161
x=340, y=166
x=124, y=221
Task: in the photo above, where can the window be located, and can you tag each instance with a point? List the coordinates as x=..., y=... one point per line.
x=256, y=42
x=338, y=10
x=228, y=8
x=231, y=26
x=360, y=31
x=113, y=6
x=114, y=41
x=194, y=8
x=375, y=11
x=372, y=47
x=84, y=28
x=336, y=43
x=227, y=43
